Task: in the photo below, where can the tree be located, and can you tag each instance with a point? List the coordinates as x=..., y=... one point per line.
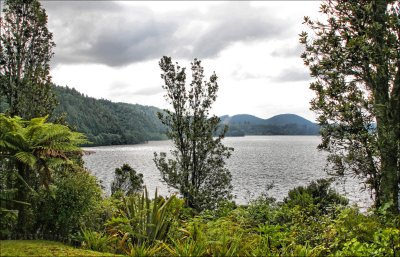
x=30, y=151
x=198, y=168
x=126, y=180
x=25, y=53
x=354, y=57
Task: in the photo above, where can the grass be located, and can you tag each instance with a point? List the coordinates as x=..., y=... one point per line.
x=43, y=248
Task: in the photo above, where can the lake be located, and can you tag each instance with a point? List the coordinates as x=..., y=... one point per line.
x=257, y=161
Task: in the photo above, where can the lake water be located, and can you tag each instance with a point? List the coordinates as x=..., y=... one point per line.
x=285, y=161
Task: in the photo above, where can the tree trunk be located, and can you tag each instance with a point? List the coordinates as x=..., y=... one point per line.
x=386, y=124
x=22, y=195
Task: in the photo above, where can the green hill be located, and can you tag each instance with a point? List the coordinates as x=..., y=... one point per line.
x=108, y=123
x=283, y=124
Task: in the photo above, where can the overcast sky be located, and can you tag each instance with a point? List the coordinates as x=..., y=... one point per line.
x=109, y=49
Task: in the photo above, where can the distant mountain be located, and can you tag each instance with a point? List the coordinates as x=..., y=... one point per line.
x=241, y=118
x=284, y=119
x=108, y=123
x=283, y=124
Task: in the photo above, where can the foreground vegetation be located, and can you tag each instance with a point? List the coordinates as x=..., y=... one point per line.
x=43, y=248
x=311, y=221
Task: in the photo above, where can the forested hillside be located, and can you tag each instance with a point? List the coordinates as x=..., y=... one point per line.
x=283, y=124
x=108, y=123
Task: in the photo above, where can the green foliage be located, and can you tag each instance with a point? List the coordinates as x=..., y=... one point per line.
x=96, y=217
x=228, y=238
x=318, y=197
x=61, y=211
x=108, y=123
x=186, y=247
x=144, y=250
x=38, y=145
x=126, y=181
x=25, y=54
x=356, y=234
x=353, y=56
x=197, y=169
x=31, y=152
x=205, y=235
x=96, y=241
x=143, y=221
x=8, y=222
x=261, y=209
x=223, y=209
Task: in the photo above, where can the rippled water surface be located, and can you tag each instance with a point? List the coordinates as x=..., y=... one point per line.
x=285, y=161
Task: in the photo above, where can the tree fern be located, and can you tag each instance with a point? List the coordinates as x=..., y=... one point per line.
x=31, y=151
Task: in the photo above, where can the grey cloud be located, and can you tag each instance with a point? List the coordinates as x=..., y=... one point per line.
x=124, y=46
x=237, y=22
x=291, y=75
x=108, y=33
x=288, y=51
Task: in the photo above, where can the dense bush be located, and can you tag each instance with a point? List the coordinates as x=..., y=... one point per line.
x=312, y=221
x=318, y=197
x=61, y=210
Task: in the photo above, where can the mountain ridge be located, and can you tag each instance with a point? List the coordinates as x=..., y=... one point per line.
x=114, y=123
x=108, y=123
x=281, y=124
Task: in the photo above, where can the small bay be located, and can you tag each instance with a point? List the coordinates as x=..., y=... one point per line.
x=257, y=161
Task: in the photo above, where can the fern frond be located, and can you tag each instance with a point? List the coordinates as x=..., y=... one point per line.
x=26, y=158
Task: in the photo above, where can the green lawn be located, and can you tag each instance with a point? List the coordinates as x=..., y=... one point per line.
x=43, y=248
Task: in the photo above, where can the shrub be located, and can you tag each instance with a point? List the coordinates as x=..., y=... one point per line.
x=60, y=211
x=316, y=198
x=126, y=181
x=96, y=241
x=261, y=210
x=143, y=221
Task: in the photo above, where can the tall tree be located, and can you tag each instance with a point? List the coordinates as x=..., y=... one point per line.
x=198, y=168
x=354, y=56
x=25, y=53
